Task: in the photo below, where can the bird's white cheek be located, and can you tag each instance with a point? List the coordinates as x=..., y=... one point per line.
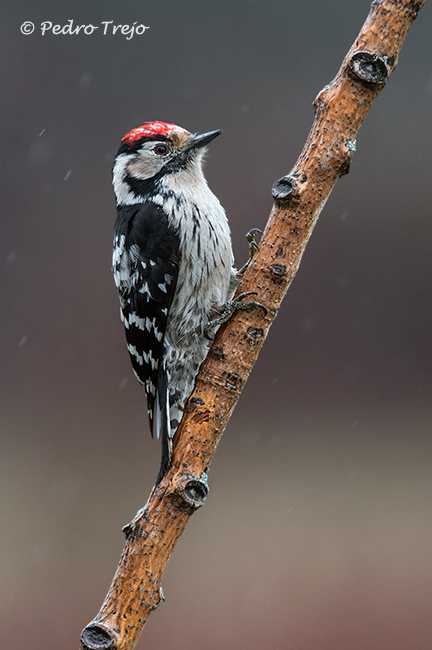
x=121, y=188
x=143, y=169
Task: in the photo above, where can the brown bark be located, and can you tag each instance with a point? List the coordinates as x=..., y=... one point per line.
x=340, y=109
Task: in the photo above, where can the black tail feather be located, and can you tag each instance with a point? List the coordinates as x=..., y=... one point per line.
x=163, y=423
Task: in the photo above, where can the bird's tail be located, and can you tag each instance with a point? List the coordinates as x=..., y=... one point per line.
x=175, y=382
x=163, y=426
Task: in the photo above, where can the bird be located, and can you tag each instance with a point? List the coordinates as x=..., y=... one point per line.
x=173, y=266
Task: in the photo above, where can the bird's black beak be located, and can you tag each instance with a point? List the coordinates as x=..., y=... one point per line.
x=200, y=141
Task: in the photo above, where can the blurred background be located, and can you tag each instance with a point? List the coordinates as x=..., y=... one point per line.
x=317, y=530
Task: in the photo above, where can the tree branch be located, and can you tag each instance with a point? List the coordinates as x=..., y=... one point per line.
x=340, y=109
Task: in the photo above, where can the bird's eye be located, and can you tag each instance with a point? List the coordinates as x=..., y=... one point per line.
x=161, y=149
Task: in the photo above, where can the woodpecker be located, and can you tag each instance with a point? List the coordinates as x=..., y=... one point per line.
x=172, y=263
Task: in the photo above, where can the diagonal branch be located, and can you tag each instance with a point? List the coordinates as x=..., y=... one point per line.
x=340, y=109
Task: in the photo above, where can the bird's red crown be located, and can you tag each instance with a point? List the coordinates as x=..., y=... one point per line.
x=148, y=129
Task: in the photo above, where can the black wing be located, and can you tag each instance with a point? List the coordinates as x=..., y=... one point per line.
x=145, y=265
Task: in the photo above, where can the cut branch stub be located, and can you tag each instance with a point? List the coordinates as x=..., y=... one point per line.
x=190, y=495
x=97, y=637
x=370, y=68
x=284, y=189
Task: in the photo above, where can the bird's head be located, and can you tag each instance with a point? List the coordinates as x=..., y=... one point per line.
x=150, y=153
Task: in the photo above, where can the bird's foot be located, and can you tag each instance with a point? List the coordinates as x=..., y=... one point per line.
x=229, y=308
x=253, y=247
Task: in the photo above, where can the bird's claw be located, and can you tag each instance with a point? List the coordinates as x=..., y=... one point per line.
x=250, y=236
x=229, y=308
x=253, y=246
